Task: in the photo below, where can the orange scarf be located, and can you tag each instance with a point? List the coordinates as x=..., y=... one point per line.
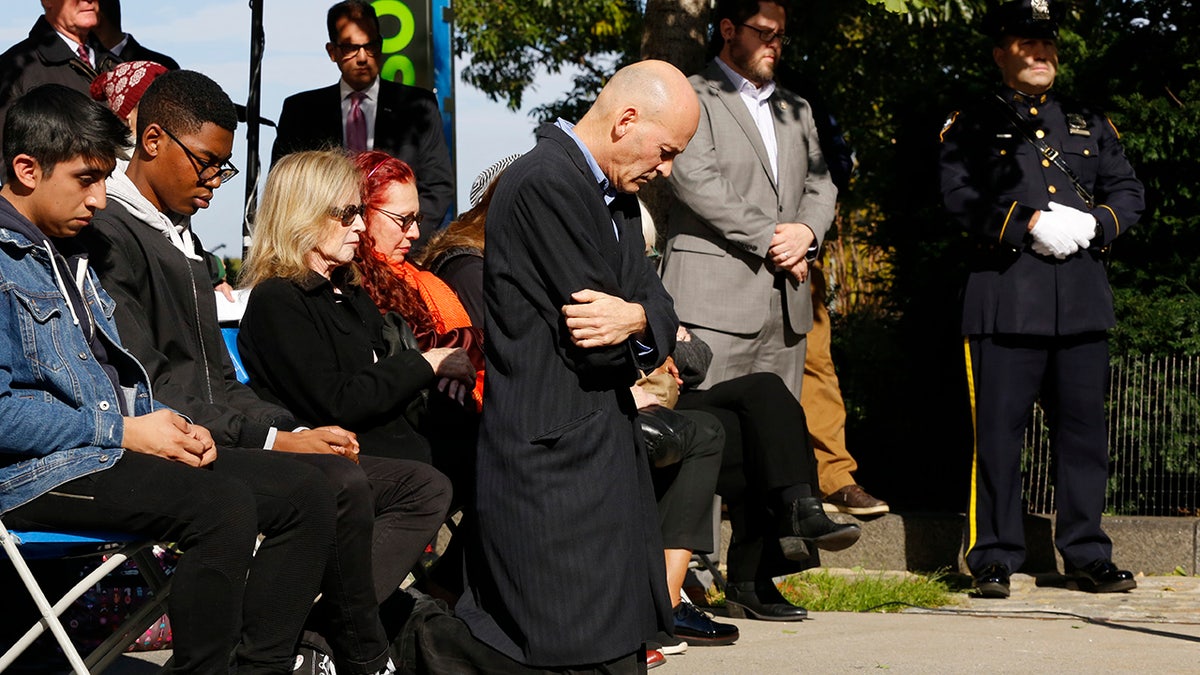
x=440, y=300
x=443, y=306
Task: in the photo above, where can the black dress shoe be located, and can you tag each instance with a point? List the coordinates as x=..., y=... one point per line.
x=1102, y=576
x=992, y=582
x=806, y=523
x=699, y=630
x=744, y=600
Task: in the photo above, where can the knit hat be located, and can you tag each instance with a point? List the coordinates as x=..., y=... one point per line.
x=122, y=87
x=485, y=178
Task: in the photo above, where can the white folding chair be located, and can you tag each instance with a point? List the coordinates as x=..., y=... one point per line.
x=20, y=546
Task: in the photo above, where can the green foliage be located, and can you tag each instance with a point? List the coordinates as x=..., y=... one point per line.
x=1150, y=72
x=512, y=42
x=1164, y=321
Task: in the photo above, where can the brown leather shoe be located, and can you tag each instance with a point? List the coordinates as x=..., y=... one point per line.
x=854, y=500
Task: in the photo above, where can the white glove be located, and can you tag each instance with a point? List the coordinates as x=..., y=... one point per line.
x=1053, y=235
x=1081, y=225
x=1041, y=249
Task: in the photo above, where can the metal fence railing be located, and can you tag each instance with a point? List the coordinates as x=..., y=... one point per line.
x=1154, y=441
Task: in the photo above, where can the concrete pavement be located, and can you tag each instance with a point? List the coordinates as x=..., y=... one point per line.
x=1153, y=629
x=1041, y=628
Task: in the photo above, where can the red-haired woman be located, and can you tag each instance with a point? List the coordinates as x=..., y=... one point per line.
x=426, y=303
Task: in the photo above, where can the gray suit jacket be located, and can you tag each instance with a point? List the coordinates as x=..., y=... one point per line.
x=720, y=228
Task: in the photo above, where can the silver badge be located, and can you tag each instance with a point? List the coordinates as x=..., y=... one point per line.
x=1041, y=10
x=1077, y=125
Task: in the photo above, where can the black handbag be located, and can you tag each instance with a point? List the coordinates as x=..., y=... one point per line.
x=666, y=433
x=398, y=337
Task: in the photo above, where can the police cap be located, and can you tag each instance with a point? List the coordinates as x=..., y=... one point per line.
x=1024, y=18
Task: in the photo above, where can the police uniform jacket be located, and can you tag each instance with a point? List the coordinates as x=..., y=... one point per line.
x=993, y=181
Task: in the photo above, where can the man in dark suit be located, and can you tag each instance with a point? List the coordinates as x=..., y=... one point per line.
x=365, y=112
x=60, y=49
x=122, y=45
x=1042, y=184
x=566, y=569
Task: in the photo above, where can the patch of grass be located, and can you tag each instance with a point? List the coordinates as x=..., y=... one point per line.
x=823, y=591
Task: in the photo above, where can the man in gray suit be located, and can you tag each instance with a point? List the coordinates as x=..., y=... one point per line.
x=754, y=201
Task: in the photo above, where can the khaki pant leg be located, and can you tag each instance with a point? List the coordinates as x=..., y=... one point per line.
x=821, y=398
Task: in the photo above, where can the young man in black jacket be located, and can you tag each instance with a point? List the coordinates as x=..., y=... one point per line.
x=144, y=251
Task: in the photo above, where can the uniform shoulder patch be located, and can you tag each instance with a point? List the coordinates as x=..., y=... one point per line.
x=950, y=120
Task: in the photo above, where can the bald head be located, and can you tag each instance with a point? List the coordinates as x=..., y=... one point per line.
x=651, y=86
x=641, y=120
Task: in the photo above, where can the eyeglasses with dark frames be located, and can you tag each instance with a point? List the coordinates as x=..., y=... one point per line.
x=206, y=172
x=404, y=221
x=348, y=49
x=347, y=213
x=768, y=36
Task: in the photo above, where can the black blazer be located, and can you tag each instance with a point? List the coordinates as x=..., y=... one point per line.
x=408, y=125
x=167, y=315
x=134, y=51
x=563, y=487
x=311, y=350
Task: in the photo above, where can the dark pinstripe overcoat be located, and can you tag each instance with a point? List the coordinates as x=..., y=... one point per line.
x=567, y=566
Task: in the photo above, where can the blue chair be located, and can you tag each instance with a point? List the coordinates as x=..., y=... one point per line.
x=20, y=546
x=230, y=333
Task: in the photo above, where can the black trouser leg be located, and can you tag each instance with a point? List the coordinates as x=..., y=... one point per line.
x=348, y=613
x=766, y=448
x=1074, y=402
x=777, y=451
x=685, y=489
x=296, y=515
x=387, y=512
x=412, y=500
x=1006, y=374
x=215, y=516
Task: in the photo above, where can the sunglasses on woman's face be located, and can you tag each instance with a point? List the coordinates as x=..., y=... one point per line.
x=347, y=213
x=405, y=221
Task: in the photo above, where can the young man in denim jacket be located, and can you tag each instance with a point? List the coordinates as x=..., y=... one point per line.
x=83, y=444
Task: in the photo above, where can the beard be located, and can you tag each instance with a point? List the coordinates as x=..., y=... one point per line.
x=758, y=71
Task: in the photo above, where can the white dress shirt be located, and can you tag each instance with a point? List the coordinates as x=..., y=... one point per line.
x=369, y=107
x=74, y=45
x=757, y=100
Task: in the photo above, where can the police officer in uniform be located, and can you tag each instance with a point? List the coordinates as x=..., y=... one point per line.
x=1042, y=184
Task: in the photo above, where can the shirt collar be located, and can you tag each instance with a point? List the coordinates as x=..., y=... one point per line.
x=72, y=42
x=120, y=46
x=372, y=91
x=606, y=188
x=746, y=86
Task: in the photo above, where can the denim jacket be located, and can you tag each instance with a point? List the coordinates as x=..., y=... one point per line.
x=60, y=417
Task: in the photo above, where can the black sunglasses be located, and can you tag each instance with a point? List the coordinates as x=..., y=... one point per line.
x=205, y=171
x=405, y=222
x=348, y=49
x=347, y=213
